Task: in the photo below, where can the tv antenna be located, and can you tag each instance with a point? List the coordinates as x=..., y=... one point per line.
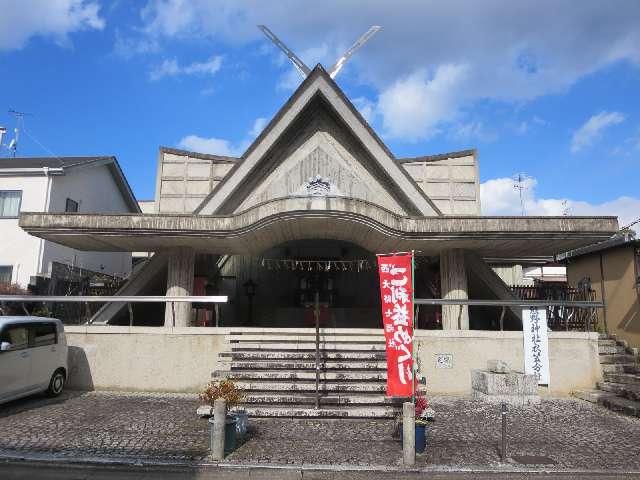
x=521, y=183
x=300, y=65
x=13, y=144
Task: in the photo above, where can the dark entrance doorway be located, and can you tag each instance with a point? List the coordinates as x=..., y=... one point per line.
x=284, y=280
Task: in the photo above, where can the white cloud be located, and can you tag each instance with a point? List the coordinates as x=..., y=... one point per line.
x=219, y=146
x=591, y=131
x=128, y=47
x=22, y=19
x=258, y=126
x=512, y=51
x=215, y=146
x=366, y=107
x=171, y=68
x=499, y=197
x=413, y=106
x=474, y=130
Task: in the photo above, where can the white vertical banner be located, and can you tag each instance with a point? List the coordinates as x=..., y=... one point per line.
x=536, y=343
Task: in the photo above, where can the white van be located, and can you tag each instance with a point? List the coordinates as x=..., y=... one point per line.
x=33, y=357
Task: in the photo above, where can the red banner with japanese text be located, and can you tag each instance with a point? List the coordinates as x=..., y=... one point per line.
x=396, y=292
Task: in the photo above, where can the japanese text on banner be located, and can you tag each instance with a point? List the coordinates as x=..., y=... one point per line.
x=396, y=291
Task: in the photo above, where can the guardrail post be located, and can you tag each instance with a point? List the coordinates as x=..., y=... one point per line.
x=503, y=450
x=408, y=433
x=216, y=431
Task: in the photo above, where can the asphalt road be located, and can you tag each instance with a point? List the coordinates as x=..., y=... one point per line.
x=10, y=470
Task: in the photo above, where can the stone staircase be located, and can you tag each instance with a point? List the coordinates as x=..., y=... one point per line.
x=620, y=389
x=276, y=371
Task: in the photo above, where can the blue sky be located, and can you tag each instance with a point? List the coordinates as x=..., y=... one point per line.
x=546, y=88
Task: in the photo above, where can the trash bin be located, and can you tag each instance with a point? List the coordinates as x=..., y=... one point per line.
x=421, y=438
x=242, y=422
x=229, y=433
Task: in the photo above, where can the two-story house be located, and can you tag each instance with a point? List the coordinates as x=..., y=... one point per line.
x=66, y=184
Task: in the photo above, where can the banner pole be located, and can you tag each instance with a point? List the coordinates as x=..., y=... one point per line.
x=413, y=329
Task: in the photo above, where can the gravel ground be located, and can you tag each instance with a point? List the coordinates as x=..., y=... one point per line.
x=564, y=433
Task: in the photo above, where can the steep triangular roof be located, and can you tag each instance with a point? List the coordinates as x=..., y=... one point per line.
x=317, y=89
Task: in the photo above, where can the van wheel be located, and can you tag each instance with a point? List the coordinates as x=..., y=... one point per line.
x=56, y=384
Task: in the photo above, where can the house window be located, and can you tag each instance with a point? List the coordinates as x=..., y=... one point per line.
x=10, y=203
x=71, y=206
x=5, y=273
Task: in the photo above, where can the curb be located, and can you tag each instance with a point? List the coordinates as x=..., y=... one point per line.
x=8, y=458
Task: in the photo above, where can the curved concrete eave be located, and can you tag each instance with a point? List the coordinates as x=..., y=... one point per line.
x=271, y=223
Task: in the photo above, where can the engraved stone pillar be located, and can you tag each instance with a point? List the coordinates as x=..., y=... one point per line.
x=453, y=282
x=180, y=271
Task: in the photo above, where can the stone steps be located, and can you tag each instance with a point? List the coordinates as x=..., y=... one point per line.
x=304, y=338
x=309, y=386
x=620, y=368
x=622, y=378
x=620, y=390
x=327, y=412
x=309, y=399
x=626, y=390
x=610, y=349
x=325, y=364
x=616, y=358
x=276, y=372
x=307, y=346
x=265, y=375
x=610, y=401
x=302, y=355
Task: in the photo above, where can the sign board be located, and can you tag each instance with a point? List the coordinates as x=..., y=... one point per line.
x=536, y=343
x=444, y=360
x=396, y=292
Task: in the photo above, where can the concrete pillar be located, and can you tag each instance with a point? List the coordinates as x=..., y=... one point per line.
x=408, y=433
x=216, y=439
x=180, y=271
x=453, y=283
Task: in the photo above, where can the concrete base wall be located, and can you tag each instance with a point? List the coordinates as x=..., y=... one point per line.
x=142, y=358
x=182, y=359
x=573, y=358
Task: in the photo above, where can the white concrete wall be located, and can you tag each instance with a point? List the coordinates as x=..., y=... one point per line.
x=452, y=183
x=573, y=358
x=17, y=247
x=182, y=359
x=96, y=192
x=143, y=358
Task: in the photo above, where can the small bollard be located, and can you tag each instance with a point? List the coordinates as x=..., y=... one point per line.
x=503, y=450
x=408, y=433
x=216, y=439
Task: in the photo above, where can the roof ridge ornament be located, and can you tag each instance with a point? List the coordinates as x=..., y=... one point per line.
x=300, y=65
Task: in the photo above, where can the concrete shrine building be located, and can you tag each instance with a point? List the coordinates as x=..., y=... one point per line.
x=305, y=209
x=317, y=184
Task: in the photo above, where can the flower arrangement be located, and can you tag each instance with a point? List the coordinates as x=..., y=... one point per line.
x=223, y=389
x=424, y=412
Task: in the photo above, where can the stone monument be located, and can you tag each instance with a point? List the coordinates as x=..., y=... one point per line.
x=499, y=384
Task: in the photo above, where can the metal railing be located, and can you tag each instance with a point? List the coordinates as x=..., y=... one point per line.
x=576, y=304
x=115, y=298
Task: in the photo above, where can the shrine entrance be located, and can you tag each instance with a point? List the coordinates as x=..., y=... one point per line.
x=280, y=288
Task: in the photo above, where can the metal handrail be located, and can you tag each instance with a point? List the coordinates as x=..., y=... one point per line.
x=510, y=303
x=172, y=299
x=114, y=298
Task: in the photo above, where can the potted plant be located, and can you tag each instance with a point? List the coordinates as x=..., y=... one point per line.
x=423, y=415
x=421, y=406
x=227, y=390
